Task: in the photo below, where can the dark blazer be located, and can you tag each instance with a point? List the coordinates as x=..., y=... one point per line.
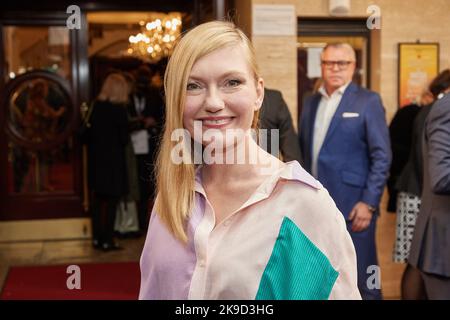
x=430, y=250
x=411, y=177
x=275, y=114
x=154, y=107
x=354, y=161
x=400, y=132
x=107, y=140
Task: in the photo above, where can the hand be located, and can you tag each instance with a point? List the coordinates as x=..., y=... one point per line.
x=361, y=217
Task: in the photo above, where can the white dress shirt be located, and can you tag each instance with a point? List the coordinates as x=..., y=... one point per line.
x=139, y=104
x=325, y=112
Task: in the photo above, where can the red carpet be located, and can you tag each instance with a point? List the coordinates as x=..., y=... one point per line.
x=105, y=281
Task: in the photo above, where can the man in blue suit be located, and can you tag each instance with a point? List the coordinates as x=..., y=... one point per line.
x=345, y=144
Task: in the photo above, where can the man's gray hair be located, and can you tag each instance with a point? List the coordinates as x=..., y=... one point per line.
x=340, y=45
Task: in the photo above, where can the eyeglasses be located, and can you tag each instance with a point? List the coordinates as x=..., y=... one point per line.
x=342, y=65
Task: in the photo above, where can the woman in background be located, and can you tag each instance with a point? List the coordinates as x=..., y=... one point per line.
x=430, y=252
x=410, y=186
x=107, y=140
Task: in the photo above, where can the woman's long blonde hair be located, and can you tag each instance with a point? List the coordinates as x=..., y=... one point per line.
x=175, y=182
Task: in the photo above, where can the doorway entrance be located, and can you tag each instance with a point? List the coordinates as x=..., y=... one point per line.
x=42, y=84
x=45, y=81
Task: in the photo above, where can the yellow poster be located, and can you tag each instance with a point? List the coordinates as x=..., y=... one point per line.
x=418, y=65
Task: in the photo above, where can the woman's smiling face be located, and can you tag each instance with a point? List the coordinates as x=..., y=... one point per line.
x=222, y=92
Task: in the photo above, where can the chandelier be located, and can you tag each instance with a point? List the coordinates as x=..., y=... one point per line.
x=156, y=39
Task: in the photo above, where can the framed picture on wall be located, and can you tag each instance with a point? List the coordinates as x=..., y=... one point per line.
x=418, y=64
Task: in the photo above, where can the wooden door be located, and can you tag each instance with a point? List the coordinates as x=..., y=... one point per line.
x=43, y=84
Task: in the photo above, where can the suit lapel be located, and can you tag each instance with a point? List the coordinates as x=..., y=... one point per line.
x=312, y=120
x=131, y=107
x=345, y=105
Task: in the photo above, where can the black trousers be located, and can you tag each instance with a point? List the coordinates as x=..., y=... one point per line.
x=104, y=210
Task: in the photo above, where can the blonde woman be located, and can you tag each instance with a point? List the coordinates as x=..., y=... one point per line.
x=107, y=140
x=235, y=229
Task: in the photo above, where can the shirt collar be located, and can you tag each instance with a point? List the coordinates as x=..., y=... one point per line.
x=292, y=171
x=340, y=90
x=295, y=172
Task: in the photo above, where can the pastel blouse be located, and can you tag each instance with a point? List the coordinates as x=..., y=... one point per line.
x=287, y=241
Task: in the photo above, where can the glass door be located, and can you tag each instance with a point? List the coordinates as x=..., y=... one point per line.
x=43, y=84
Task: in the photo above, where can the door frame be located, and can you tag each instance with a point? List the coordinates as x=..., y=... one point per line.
x=46, y=12
x=34, y=206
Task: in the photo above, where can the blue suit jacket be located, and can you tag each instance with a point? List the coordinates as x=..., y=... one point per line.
x=353, y=163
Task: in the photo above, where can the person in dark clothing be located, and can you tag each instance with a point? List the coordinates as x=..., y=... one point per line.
x=400, y=131
x=275, y=114
x=108, y=137
x=146, y=108
x=429, y=252
x=410, y=186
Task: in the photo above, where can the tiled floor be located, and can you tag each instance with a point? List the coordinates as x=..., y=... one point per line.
x=80, y=251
